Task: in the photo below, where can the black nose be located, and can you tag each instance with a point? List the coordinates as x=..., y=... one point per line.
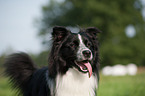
x=86, y=53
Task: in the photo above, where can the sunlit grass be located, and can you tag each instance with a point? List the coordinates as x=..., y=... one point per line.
x=122, y=85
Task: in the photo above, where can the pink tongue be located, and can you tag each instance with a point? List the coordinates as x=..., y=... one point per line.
x=89, y=67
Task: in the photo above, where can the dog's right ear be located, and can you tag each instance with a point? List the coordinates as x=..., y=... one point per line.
x=59, y=33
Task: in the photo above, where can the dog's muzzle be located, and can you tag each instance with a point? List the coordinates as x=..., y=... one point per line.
x=84, y=53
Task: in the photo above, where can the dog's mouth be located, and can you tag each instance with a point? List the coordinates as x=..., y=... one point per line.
x=84, y=66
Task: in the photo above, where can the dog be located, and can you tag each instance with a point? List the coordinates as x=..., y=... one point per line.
x=73, y=66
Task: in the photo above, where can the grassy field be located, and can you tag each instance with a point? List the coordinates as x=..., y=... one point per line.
x=122, y=86
x=109, y=86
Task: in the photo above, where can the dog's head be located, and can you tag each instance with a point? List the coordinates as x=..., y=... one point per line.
x=74, y=50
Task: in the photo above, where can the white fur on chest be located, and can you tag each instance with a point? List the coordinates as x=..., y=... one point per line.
x=75, y=83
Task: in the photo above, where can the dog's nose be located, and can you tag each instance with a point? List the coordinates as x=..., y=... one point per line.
x=86, y=53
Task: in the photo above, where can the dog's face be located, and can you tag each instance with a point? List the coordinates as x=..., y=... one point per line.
x=77, y=49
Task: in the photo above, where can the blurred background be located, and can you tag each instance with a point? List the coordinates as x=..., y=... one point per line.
x=26, y=26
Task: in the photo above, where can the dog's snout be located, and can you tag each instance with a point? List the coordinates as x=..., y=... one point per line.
x=86, y=53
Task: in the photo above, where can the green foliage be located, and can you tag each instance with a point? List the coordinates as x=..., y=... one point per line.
x=110, y=16
x=2, y=58
x=41, y=59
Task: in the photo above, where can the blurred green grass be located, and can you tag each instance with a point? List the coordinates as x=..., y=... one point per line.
x=108, y=86
x=5, y=89
x=122, y=85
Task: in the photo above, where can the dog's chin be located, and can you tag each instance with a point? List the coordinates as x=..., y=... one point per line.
x=84, y=66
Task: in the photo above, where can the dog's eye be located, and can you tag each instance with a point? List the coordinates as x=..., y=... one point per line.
x=88, y=44
x=72, y=44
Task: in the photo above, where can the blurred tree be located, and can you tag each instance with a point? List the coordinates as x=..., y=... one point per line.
x=110, y=16
x=2, y=58
x=40, y=59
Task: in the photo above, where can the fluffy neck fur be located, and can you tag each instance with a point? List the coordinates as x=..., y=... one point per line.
x=75, y=83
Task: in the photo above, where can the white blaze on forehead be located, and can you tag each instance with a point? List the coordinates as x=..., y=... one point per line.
x=80, y=38
x=82, y=47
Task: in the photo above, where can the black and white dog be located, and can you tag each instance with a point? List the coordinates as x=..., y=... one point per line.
x=72, y=71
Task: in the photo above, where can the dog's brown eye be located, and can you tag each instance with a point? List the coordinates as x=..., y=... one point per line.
x=72, y=45
x=89, y=44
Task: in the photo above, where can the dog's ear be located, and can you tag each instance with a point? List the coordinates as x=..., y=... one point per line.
x=92, y=31
x=59, y=33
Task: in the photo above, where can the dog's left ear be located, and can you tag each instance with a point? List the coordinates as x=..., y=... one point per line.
x=59, y=33
x=92, y=31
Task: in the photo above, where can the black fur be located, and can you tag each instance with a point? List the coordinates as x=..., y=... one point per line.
x=32, y=81
x=19, y=67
